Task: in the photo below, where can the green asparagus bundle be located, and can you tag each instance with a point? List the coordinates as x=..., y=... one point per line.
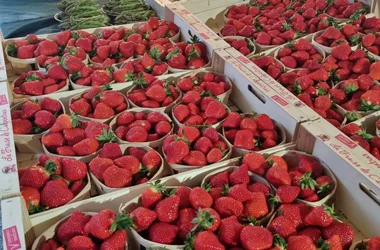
x=126, y=17
x=81, y=14
x=127, y=11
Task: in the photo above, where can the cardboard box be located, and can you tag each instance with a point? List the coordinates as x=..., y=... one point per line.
x=358, y=181
x=8, y=174
x=12, y=224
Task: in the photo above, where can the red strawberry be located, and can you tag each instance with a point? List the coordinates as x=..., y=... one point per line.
x=163, y=233
x=207, y=240
x=283, y=226
x=344, y=231
x=278, y=176
x=286, y=194
x=142, y=218
x=300, y=242
x=321, y=216
x=54, y=195
x=73, y=170
x=257, y=207
x=81, y=242
x=227, y=206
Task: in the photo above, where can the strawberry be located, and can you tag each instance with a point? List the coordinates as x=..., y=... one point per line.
x=256, y=163
x=117, y=241
x=21, y=126
x=176, y=151
x=116, y=177
x=34, y=88
x=36, y=176
x=86, y=147
x=73, y=170
x=44, y=119
x=142, y=218
x=373, y=243
x=257, y=207
x=255, y=237
x=244, y=139
x=47, y=48
x=313, y=232
x=167, y=209
x=229, y=231
x=263, y=38
x=259, y=187
x=54, y=195
x=341, y=52
x=152, y=195
x=321, y=216
x=206, y=240
x=26, y=52
x=283, y=226
x=73, y=226
x=300, y=242
x=219, y=180
x=199, y=198
x=32, y=199
x=163, y=233
x=227, y=206
x=240, y=192
x=344, y=231
x=286, y=194
x=81, y=242
x=278, y=176
x=239, y=176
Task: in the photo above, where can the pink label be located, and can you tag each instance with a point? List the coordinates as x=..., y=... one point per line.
x=3, y=99
x=346, y=141
x=12, y=239
x=204, y=36
x=243, y=59
x=186, y=11
x=281, y=101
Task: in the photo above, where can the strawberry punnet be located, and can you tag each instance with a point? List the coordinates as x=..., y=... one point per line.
x=25, y=48
x=99, y=103
x=93, y=76
x=195, y=146
x=270, y=65
x=35, y=117
x=72, y=138
x=75, y=232
x=244, y=46
x=299, y=54
x=150, y=92
x=52, y=182
x=251, y=132
x=144, y=126
x=200, y=109
x=190, y=56
x=342, y=35
x=307, y=182
x=117, y=169
x=208, y=82
x=369, y=142
x=313, y=227
x=33, y=83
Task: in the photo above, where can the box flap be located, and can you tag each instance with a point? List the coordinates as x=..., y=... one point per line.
x=9, y=183
x=209, y=36
x=11, y=224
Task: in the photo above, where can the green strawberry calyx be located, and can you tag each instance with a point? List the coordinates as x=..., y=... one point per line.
x=279, y=242
x=74, y=120
x=274, y=200
x=107, y=136
x=331, y=211
x=306, y=181
x=123, y=222
x=203, y=221
x=12, y=50
x=34, y=209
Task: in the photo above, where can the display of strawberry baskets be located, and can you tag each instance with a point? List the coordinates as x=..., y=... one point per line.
x=231, y=125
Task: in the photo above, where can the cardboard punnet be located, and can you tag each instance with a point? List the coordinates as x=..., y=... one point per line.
x=8, y=164
x=12, y=224
x=358, y=189
x=261, y=77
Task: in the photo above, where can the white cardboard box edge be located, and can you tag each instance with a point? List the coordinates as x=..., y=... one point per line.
x=12, y=226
